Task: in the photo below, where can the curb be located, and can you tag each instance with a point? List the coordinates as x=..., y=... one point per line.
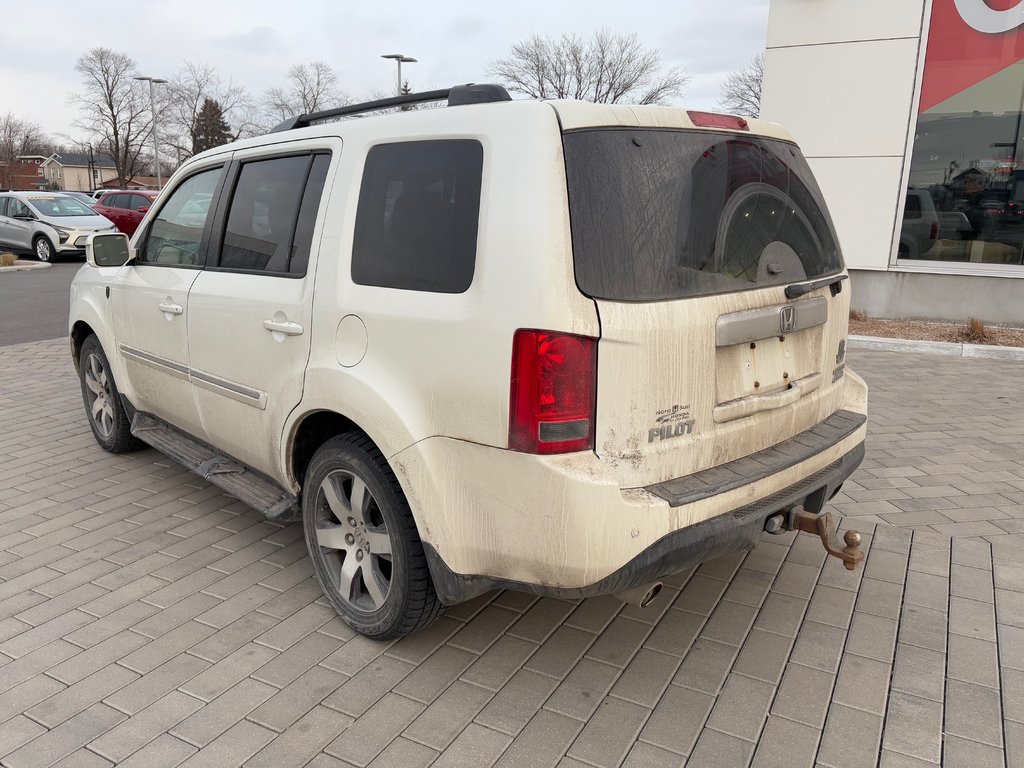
x=26, y=267
x=946, y=348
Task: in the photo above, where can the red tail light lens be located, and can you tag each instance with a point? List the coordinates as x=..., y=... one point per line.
x=554, y=381
x=715, y=120
x=934, y=233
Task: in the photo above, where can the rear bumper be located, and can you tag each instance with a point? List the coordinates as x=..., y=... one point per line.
x=730, y=532
x=562, y=525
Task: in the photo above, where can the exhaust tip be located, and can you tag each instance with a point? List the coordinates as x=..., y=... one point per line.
x=640, y=596
x=652, y=593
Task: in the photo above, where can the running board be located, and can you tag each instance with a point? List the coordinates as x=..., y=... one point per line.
x=248, y=485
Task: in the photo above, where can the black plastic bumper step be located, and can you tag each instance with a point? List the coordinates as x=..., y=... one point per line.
x=757, y=466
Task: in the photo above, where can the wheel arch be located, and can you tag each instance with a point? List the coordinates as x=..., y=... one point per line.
x=50, y=240
x=308, y=433
x=80, y=331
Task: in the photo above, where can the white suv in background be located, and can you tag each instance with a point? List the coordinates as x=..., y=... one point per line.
x=551, y=346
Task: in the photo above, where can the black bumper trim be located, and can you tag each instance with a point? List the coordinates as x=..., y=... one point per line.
x=729, y=532
x=757, y=466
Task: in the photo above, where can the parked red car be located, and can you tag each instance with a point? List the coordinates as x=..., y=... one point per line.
x=125, y=209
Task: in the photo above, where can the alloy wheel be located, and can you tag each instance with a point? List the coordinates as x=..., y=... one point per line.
x=354, y=541
x=44, y=252
x=99, y=396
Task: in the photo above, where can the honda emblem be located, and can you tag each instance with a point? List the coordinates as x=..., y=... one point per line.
x=787, y=318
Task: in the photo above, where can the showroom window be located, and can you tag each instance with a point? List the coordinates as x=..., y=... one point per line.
x=965, y=197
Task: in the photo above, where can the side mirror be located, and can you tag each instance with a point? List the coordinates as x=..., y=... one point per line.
x=25, y=217
x=142, y=208
x=107, y=249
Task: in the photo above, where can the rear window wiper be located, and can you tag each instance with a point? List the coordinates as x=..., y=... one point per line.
x=799, y=289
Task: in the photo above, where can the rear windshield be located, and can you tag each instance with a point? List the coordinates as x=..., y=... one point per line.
x=668, y=214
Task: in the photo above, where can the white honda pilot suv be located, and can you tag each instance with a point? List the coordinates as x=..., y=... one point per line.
x=557, y=347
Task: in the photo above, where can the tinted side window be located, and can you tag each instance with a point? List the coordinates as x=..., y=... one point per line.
x=114, y=201
x=912, y=210
x=138, y=201
x=262, y=215
x=176, y=235
x=3, y=205
x=416, y=223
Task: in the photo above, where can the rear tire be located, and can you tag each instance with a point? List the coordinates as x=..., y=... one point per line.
x=107, y=416
x=43, y=248
x=363, y=542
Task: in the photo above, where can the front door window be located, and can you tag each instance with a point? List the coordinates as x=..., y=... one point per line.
x=176, y=235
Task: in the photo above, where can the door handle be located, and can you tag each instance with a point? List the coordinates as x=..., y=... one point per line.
x=170, y=308
x=287, y=327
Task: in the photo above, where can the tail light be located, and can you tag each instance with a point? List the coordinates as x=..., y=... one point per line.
x=554, y=381
x=934, y=233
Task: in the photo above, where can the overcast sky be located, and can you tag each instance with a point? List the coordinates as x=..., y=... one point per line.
x=254, y=42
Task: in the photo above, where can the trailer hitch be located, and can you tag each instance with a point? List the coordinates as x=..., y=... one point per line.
x=824, y=526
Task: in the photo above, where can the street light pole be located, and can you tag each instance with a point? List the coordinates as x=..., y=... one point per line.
x=399, y=58
x=152, y=107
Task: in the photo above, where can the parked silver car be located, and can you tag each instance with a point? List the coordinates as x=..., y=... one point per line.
x=47, y=223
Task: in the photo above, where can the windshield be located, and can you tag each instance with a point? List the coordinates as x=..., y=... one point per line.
x=81, y=197
x=52, y=205
x=668, y=214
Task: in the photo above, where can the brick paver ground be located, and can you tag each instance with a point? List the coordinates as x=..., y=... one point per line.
x=148, y=620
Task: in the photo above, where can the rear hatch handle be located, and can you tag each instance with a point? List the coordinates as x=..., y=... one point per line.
x=799, y=289
x=751, y=404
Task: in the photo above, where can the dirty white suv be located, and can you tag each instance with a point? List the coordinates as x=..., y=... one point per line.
x=557, y=347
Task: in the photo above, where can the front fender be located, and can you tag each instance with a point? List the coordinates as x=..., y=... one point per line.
x=90, y=304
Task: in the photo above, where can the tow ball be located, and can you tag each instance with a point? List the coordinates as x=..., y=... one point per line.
x=824, y=527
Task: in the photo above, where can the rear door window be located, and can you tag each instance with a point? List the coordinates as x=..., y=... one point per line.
x=272, y=214
x=667, y=214
x=417, y=218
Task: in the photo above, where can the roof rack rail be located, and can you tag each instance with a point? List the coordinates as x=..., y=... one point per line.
x=457, y=95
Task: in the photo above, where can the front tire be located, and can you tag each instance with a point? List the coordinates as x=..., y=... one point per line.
x=43, y=248
x=363, y=542
x=103, y=407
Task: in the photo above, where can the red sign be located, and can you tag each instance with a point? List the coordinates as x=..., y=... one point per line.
x=968, y=41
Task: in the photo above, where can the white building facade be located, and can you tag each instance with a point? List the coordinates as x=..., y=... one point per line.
x=909, y=113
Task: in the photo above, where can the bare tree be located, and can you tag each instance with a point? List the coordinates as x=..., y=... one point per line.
x=188, y=90
x=19, y=137
x=115, y=109
x=311, y=87
x=741, y=91
x=606, y=68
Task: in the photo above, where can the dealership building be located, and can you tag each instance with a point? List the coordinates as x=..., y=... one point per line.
x=909, y=113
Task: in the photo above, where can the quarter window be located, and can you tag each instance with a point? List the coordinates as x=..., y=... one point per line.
x=418, y=213
x=176, y=235
x=272, y=213
x=3, y=205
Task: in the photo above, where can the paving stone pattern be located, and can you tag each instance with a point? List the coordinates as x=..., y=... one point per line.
x=148, y=620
